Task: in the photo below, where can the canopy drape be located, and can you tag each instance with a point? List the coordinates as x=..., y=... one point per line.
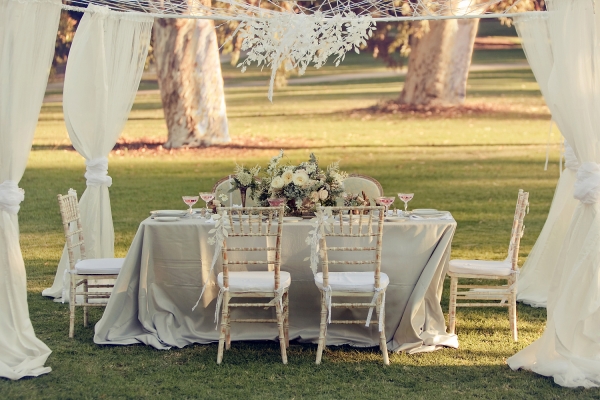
x=27, y=36
x=103, y=73
x=569, y=349
x=537, y=272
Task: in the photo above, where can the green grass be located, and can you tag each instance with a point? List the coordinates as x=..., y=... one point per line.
x=471, y=165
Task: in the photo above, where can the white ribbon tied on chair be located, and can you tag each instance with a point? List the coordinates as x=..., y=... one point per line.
x=96, y=172
x=571, y=161
x=587, y=185
x=11, y=197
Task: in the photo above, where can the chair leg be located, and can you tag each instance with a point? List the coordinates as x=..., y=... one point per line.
x=512, y=308
x=228, y=328
x=280, y=323
x=286, y=317
x=85, y=301
x=452, y=308
x=382, y=339
x=72, y=308
x=224, y=316
x=322, y=329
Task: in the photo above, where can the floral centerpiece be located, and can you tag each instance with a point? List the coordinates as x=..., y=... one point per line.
x=304, y=186
x=243, y=179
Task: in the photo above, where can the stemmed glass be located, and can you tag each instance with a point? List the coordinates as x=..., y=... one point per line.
x=207, y=197
x=190, y=201
x=277, y=202
x=386, y=201
x=406, y=197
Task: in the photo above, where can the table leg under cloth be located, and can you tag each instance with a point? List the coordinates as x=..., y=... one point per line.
x=168, y=262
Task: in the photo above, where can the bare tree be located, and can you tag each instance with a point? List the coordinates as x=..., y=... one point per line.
x=439, y=62
x=191, y=85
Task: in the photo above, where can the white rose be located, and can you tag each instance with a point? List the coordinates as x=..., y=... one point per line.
x=314, y=196
x=277, y=182
x=287, y=177
x=300, y=178
x=323, y=194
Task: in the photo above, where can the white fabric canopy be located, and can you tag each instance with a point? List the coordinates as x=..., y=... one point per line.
x=537, y=272
x=103, y=73
x=27, y=35
x=569, y=349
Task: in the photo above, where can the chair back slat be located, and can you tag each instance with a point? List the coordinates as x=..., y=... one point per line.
x=517, y=229
x=365, y=224
x=71, y=220
x=249, y=223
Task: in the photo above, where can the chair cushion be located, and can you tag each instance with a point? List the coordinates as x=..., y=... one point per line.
x=255, y=281
x=481, y=267
x=352, y=281
x=99, y=266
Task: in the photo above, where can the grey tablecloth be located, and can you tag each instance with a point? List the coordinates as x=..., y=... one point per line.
x=168, y=262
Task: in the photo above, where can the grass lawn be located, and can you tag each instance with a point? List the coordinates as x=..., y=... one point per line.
x=472, y=165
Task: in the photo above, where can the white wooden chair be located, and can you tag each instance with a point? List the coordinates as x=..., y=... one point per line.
x=82, y=270
x=357, y=184
x=507, y=270
x=365, y=231
x=245, y=225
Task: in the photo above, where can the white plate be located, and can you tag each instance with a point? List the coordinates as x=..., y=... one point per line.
x=166, y=219
x=395, y=219
x=292, y=219
x=426, y=211
x=436, y=215
x=168, y=212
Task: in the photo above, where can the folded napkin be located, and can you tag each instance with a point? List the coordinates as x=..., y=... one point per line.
x=445, y=216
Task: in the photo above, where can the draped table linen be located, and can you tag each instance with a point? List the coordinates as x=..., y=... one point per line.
x=103, y=73
x=168, y=262
x=27, y=35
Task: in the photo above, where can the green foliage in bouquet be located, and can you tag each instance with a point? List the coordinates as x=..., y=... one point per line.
x=305, y=186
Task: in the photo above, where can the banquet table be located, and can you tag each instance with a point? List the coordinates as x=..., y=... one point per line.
x=168, y=262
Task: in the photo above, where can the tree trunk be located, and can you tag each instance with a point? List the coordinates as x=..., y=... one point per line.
x=460, y=61
x=438, y=64
x=191, y=85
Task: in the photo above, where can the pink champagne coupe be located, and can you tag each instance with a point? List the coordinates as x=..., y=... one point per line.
x=277, y=202
x=190, y=201
x=406, y=197
x=387, y=202
x=207, y=197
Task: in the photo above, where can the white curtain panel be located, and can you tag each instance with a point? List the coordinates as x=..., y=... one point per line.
x=103, y=74
x=27, y=36
x=569, y=349
x=537, y=272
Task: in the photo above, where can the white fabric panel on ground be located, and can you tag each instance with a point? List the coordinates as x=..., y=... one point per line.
x=103, y=73
x=537, y=272
x=27, y=35
x=569, y=349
